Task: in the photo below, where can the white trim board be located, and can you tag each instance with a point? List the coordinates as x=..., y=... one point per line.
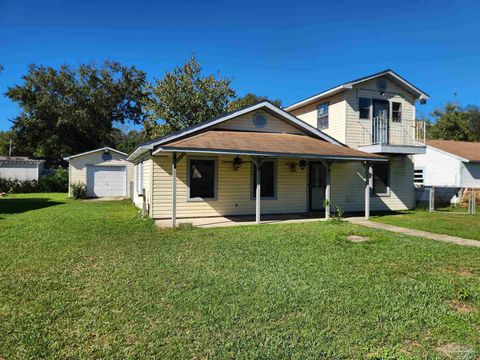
x=94, y=151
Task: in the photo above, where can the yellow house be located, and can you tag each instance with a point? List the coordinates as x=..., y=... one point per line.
x=309, y=158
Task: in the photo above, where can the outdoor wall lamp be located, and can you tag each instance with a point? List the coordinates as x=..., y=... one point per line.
x=236, y=163
x=303, y=164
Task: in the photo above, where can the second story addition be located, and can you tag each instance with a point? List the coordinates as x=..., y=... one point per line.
x=375, y=113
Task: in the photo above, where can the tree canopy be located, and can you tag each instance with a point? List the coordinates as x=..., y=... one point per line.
x=69, y=110
x=184, y=98
x=455, y=123
x=250, y=99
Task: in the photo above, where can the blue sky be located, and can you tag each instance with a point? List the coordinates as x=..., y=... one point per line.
x=287, y=50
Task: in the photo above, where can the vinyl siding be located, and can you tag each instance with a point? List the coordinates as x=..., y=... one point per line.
x=439, y=168
x=336, y=116
x=358, y=131
x=245, y=123
x=147, y=171
x=20, y=172
x=470, y=175
x=233, y=191
x=77, y=168
x=348, y=186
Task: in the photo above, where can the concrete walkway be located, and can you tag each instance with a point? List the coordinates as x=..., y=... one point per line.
x=412, y=232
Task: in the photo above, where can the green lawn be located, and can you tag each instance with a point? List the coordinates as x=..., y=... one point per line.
x=445, y=221
x=94, y=280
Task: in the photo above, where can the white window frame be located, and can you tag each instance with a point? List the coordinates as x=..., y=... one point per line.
x=423, y=176
x=399, y=120
x=215, y=178
x=324, y=116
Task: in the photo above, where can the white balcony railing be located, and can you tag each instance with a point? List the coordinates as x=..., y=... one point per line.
x=385, y=131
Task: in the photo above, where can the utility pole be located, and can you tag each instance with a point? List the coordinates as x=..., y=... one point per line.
x=10, y=148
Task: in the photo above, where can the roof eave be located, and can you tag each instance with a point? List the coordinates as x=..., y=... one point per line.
x=164, y=149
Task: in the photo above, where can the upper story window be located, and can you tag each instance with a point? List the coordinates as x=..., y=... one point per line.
x=322, y=116
x=268, y=177
x=396, y=112
x=202, y=180
x=364, y=108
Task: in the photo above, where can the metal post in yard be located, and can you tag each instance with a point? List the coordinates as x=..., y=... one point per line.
x=474, y=202
x=431, y=200
x=368, y=186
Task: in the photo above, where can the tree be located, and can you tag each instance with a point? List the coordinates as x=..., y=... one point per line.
x=68, y=110
x=250, y=99
x=184, y=98
x=5, y=137
x=451, y=123
x=127, y=141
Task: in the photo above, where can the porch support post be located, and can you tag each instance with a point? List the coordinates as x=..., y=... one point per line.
x=174, y=189
x=327, y=189
x=258, y=195
x=368, y=187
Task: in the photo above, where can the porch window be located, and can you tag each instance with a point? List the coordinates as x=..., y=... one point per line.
x=202, y=179
x=364, y=108
x=267, y=180
x=381, y=179
x=322, y=116
x=140, y=178
x=396, y=112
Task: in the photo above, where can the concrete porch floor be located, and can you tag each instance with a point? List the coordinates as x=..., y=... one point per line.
x=220, y=221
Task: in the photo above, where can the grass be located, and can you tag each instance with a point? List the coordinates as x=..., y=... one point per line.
x=455, y=222
x=94, y=280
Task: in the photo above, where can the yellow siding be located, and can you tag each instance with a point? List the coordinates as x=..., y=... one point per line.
x=336, y=116
x=359, y=130
x=234, y=190
x=77, y=169
x=348, y=186
x=245, y=123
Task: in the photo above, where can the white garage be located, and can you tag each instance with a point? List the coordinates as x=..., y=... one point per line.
x=105, y=171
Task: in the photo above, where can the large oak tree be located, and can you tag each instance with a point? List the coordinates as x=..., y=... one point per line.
x=66, y=110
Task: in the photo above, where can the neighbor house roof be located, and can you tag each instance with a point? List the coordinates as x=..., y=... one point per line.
x=94, y=151
x=18, y=160
x=265, y=144
x=467, y=151
x=263, y=105
x=349, y=85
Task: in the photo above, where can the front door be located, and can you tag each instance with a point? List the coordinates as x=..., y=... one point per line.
x=380, y=128
x=316, y=177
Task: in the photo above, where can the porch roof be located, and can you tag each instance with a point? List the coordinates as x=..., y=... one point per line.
x=265, y=144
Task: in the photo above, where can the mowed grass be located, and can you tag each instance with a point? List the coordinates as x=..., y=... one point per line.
x=455, y=222
x=94, y=280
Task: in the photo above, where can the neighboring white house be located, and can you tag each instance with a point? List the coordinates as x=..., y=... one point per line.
x=20, y=168
x=105, y=171
x=449, y=166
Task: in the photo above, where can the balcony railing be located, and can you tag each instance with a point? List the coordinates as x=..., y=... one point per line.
x=385, y=131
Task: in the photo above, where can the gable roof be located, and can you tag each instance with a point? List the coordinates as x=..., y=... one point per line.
x=349, y=85
x=466, y=151
x=94, y=151
x=264, y=105
x=265, y=144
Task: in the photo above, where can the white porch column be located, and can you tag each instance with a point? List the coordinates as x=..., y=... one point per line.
x=174, y=189
x=258, y=192
x=327, y=189
x=368, y=187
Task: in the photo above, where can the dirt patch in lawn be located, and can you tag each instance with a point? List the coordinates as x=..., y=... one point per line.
x=456, y=351
x=459, y=271
x=410, y=346
x=462, y=307
x=357, y=238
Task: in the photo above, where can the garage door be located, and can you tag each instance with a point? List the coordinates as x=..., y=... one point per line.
x=107, y=181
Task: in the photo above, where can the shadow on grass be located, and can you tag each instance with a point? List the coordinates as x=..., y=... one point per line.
x=16, y=206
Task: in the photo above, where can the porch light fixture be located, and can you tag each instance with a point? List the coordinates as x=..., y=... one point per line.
x=303, y=164
x=236, y=163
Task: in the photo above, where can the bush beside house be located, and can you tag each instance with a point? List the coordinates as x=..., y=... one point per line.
x=56, y=181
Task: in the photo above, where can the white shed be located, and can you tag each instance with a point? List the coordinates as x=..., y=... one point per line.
x=20, y=168
x=105, y=171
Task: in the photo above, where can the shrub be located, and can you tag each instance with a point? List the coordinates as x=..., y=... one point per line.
x=57, y=181
x=79, y=190
x=17, y=186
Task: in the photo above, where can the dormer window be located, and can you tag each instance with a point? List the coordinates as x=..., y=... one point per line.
x=364, y=108
x=322, y=116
